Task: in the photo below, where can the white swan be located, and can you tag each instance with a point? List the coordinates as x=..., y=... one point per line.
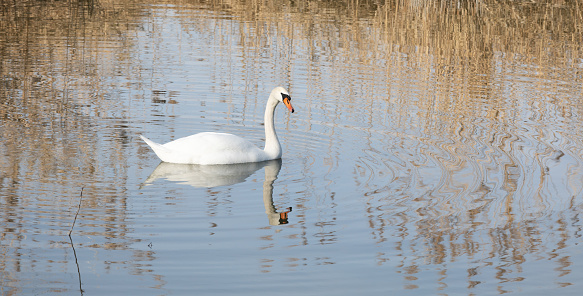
x=219, y=148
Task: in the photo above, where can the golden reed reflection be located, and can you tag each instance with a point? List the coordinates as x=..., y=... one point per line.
x=52, y=98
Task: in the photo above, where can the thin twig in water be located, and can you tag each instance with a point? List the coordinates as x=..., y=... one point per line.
x=77, y=263
x=80, y=197
x=71, y=239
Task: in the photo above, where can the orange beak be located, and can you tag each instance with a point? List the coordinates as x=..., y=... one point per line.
x=288, y=104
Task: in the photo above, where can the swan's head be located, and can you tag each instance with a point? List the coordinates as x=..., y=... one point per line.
x=281, y=95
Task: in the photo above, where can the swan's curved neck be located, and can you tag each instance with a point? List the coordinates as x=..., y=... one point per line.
x=272, y=147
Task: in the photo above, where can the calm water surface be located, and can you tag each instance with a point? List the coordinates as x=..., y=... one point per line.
x=434, y=150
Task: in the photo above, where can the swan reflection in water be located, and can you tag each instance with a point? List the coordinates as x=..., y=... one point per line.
x=224, y=175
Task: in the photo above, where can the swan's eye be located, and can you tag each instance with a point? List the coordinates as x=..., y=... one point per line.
x=284, y=96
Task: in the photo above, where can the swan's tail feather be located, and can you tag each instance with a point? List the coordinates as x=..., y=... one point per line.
x=160, y=150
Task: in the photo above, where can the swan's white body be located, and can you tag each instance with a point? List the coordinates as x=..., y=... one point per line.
x=220, y=148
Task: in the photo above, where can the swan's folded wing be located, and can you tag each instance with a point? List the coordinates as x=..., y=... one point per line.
x=208, y=148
